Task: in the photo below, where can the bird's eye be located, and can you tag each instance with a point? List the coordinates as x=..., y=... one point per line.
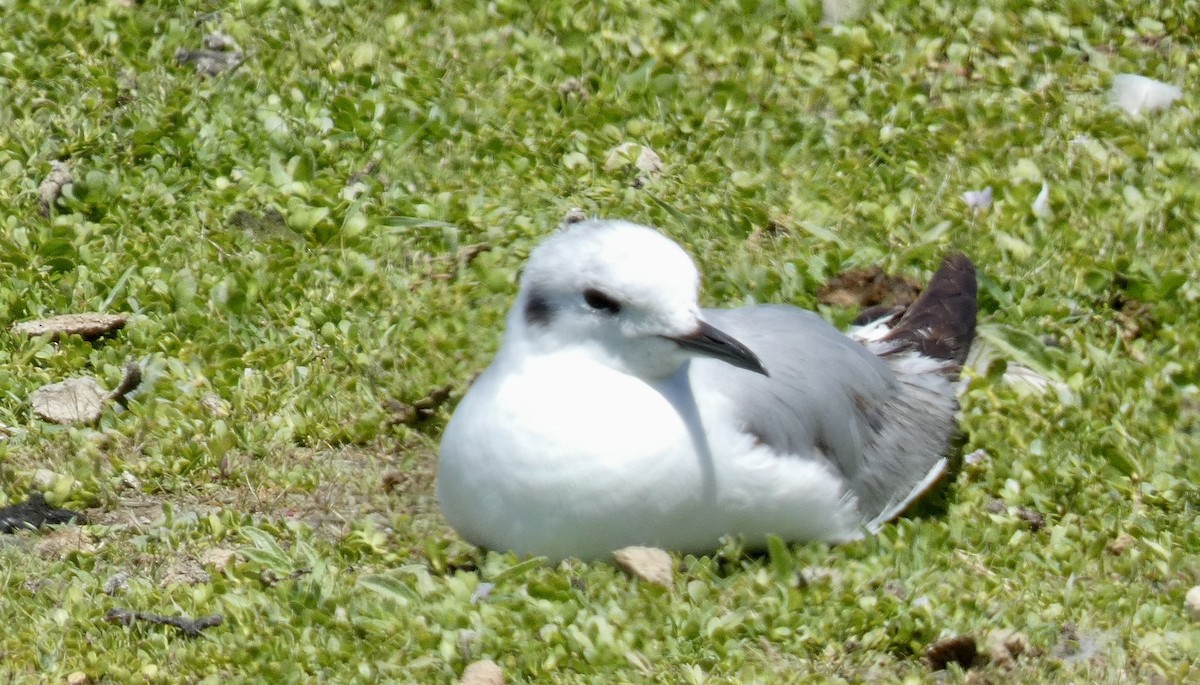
x=601, y=302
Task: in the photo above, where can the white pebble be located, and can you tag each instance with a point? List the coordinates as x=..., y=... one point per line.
x=1192, y=602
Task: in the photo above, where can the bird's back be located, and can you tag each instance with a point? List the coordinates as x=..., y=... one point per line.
x=880, y=412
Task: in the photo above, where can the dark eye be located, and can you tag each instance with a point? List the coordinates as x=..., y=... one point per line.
x=601, y=302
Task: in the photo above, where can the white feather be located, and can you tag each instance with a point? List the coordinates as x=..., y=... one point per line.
x=1041, y=204
x=978, y=199
x=872, y=331
x=1136, y=94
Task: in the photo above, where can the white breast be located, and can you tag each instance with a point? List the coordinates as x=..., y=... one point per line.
x=608, y=460
x=603, y=459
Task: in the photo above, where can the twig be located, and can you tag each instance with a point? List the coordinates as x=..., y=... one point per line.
x=190, y=627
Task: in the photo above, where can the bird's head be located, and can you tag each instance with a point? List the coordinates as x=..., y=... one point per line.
x=625, y=293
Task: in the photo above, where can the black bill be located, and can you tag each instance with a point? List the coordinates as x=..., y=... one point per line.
x=713, y=342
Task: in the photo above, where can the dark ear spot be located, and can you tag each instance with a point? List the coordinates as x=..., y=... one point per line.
x=537, y=309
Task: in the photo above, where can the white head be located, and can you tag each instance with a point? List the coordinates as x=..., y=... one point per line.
x=626, y=293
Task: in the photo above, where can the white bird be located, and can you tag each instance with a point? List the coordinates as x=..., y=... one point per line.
x=618, y=412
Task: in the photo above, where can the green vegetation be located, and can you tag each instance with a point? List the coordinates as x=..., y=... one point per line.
x=298, y=241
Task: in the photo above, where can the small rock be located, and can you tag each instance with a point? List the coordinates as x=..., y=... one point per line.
x=80, y=400
x=420, y=410
x=214, y=405
x=127, y=85
x=1119, y=544
x=1005, y=646
x=977, y=457
x=574, y=215
x=1017, y=644
x=220, y=41
x=574, y=88
x=1192, y=602
x=960, y=649
x=217, y=557
x=397, y=481
x=44, y=479
x=1035, y=520
x=89, y=325
x=117, y=582
x=62, y=543
x=78, y=678
x=210, y=62
x=130, y=481
x=995, y=506
x=35, y=585
x=647, y=161
x=483, y=672
x=75, y=400
x=184, y=572
x=651, y=564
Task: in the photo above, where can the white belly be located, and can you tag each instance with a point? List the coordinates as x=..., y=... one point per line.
x=608, y=461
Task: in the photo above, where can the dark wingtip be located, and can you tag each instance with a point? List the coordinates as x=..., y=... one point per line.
x=941, y=323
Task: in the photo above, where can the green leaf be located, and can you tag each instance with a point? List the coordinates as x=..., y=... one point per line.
x=1022, y=347
x=783, y=565
x=390, y=587
x=519, y=569
x=822, y=233
x=675, y=213
x=414, y=222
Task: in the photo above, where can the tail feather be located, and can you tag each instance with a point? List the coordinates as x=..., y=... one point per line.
x=941, y=323
x=925, y=347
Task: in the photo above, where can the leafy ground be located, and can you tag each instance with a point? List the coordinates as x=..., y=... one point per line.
x=333, y=229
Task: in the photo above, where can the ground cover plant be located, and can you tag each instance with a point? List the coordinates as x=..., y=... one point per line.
x=314, y=213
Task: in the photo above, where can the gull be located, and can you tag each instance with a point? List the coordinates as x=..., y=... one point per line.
x=618, y=412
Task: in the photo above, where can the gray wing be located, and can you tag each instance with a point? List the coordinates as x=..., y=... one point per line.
x=829, y=397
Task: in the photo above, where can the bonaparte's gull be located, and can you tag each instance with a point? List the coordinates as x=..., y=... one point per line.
x=618, y=412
